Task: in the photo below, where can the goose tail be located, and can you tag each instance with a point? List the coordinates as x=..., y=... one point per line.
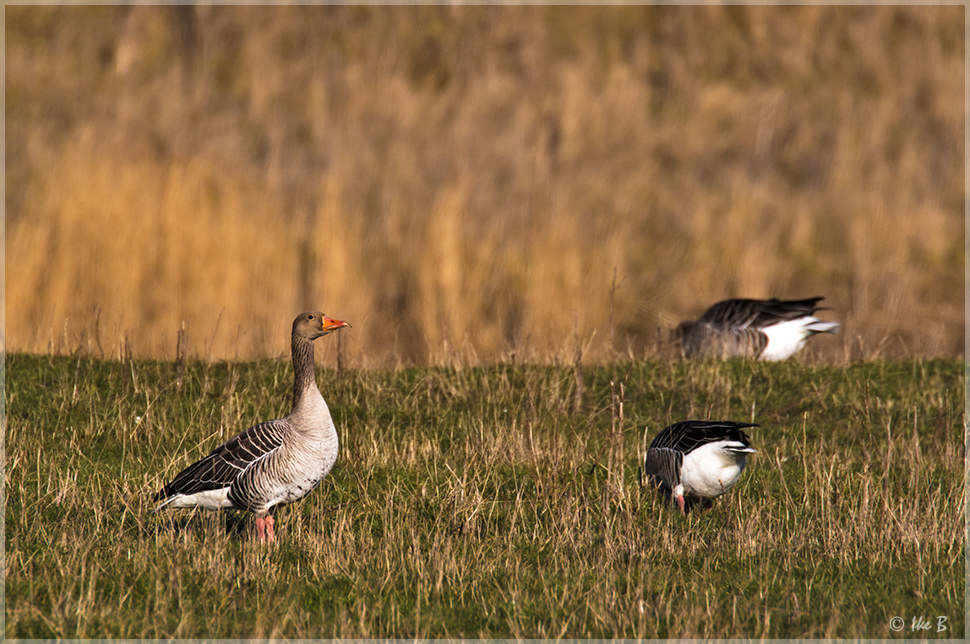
x=818, y=326
x=164, y=504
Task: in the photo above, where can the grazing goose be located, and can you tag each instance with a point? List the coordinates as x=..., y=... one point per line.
x=272, y=463
x=766, y=329
x=698, y=459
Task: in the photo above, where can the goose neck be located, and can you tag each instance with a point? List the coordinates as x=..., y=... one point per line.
x=304, y=380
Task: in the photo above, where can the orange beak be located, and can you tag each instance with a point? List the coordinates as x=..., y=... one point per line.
x=329, y=324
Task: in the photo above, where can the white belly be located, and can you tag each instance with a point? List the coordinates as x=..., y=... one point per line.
x=785, y=338
x=710, y=470
x=210, y=500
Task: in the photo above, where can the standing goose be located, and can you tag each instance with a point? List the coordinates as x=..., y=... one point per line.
x=766, y=329
x=698, y=459
x=272, y=463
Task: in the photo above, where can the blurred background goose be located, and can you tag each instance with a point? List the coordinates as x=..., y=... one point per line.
x=272, y=463
x=765, y=329
x=698, y=460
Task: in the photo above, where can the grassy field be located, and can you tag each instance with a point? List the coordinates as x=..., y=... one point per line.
x=489, y=502
x=468, y=180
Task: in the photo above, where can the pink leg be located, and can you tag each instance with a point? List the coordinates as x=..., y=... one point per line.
x=270, y=535
x=264, y=529
x=680, y=504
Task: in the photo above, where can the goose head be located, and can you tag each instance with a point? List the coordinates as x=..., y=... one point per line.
x=314, y=324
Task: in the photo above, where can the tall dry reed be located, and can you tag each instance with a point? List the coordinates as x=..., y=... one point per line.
x=463, y=183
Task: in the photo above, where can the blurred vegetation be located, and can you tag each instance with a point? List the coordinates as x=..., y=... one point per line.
x=479, y=183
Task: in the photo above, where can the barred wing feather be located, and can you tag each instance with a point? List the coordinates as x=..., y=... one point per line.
x=759, y=313
x=688, y=435
x=220, y=469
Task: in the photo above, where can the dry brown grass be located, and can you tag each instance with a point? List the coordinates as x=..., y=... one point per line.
x=463, y=183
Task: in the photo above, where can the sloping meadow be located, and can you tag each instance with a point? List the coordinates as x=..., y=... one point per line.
x=498, y=502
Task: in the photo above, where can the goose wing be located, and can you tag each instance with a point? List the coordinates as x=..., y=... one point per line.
x=686, y=436
x=758, y=313
x=226, y=462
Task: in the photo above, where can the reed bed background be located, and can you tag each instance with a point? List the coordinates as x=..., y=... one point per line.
x=475, y=184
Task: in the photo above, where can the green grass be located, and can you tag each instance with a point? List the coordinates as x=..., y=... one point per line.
x=480, y=503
